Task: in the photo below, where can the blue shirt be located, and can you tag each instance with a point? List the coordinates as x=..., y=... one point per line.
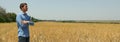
x=23, y=29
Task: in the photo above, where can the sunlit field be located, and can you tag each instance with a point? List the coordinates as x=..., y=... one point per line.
x=64, y=32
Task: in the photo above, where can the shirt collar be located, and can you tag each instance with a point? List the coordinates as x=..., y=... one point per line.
x=24, y=13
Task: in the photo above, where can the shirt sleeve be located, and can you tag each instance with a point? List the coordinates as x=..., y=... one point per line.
x=19, y=20
x=31, y=23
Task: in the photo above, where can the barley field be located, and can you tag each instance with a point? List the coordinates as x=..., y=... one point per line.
x=63, y=32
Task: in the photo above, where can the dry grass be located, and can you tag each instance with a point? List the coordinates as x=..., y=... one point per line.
x=64, y=32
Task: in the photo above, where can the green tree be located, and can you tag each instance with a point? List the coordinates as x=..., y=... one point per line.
x=10, y=17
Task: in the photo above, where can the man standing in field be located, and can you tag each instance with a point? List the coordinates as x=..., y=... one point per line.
x=23, y=22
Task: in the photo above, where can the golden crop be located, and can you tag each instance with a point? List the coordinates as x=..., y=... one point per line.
x=63, y=32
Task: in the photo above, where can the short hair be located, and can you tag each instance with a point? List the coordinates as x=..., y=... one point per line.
x=22, y=5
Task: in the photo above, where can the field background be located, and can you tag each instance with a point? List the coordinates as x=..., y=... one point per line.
x=64, y=32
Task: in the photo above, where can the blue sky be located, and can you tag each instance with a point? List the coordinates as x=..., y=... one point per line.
x=67, y=9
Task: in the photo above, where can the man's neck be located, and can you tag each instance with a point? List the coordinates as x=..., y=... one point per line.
x=24, y=12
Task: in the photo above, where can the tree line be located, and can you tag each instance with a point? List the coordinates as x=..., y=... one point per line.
x=10, y=16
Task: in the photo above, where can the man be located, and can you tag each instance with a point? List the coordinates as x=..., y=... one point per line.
x=23, y=22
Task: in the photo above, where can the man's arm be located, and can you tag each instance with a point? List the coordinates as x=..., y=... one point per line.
x=19, y=20
x=24, y=22
x=31, y=22
x=27, y=22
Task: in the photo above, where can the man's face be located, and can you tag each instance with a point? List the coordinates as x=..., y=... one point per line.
x=25, y=8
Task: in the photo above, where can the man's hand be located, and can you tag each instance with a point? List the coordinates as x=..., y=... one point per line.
x=25, y=22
